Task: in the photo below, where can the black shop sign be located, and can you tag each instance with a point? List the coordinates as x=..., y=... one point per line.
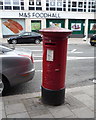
x=38, y=15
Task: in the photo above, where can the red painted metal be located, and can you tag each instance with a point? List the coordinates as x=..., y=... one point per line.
x=54, y=70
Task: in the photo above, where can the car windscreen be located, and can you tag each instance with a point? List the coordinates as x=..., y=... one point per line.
x=35, y=34
x=4, y=49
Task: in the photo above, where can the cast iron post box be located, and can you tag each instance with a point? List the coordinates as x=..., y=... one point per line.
x=54, y=64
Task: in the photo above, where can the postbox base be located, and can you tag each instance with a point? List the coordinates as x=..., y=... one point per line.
x=53, y=97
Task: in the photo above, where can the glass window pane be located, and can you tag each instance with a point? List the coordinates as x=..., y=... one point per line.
x=31, y=2
x=8, y=8
x=15, y=2
x=1, y=7
x=16, y=8
x=38, y=2
x=1, y=2
x=31, y=8
x=7, y=2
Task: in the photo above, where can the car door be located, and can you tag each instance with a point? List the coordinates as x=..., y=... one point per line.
x=25, y=38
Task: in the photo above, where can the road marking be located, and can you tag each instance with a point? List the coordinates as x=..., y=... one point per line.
x=71, y=58
x=73, y=50
x=37, y=56
x=79, y=58
x=37, y=50
x=38, y=70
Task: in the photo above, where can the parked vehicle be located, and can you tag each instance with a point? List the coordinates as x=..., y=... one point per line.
x=93, y=40
x=26, y=37
x=16, y=67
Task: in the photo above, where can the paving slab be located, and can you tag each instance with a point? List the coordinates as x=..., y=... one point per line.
x=15, y=108
x=78, y=104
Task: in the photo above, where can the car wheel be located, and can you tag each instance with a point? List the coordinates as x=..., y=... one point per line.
x=5, y=86
x=37, y=41
x=14, y=41
x=1, y=87
x=92, y=44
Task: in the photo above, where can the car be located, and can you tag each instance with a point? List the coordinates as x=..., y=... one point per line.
x=93, y=40
x=26, y=37
x=16, y=67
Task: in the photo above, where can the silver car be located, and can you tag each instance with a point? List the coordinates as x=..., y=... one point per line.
x=16, y=67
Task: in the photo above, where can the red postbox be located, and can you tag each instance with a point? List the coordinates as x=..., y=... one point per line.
x=54, y=64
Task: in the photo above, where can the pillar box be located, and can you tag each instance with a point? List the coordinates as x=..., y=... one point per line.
x=54, y=64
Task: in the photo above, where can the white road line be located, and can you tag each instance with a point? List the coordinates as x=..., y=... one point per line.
x=73, y=50
x=37, y=56
x=38, y=70
x=79, y=58
x=71, y=58
x=37, y=50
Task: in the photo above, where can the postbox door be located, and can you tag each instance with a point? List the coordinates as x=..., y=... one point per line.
x=54, y=72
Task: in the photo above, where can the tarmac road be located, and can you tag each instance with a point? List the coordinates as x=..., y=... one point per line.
x=79, y=71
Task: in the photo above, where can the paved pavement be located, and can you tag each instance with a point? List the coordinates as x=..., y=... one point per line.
x=79, y=103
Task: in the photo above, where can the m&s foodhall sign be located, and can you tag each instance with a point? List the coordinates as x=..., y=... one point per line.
x=38, y=15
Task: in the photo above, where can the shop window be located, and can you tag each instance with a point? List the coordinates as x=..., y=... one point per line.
x=16, y=7
x=35, y=25
x=31, y=8
x=31, y=2
x=8, y=8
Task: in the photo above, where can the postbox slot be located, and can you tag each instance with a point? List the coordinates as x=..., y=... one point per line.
x=50, y=43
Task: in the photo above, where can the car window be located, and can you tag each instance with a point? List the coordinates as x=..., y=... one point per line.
x=26, y=34
x=4, y=49
x=34, y=34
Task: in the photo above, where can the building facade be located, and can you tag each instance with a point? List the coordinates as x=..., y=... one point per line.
x=17, y=16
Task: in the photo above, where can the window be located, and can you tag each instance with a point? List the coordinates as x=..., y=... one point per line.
x=80, y=4
x=59, y=2
x=74, y=4
x=1, y=2
x=52, y=2
x=38, y=2
x=16, y=7
x=15, y=2
x=7, y=2
x=31, y=2
x=8, y=7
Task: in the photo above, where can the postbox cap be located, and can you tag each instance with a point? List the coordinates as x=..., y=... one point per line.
x=55, y=32
x=55, y=29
